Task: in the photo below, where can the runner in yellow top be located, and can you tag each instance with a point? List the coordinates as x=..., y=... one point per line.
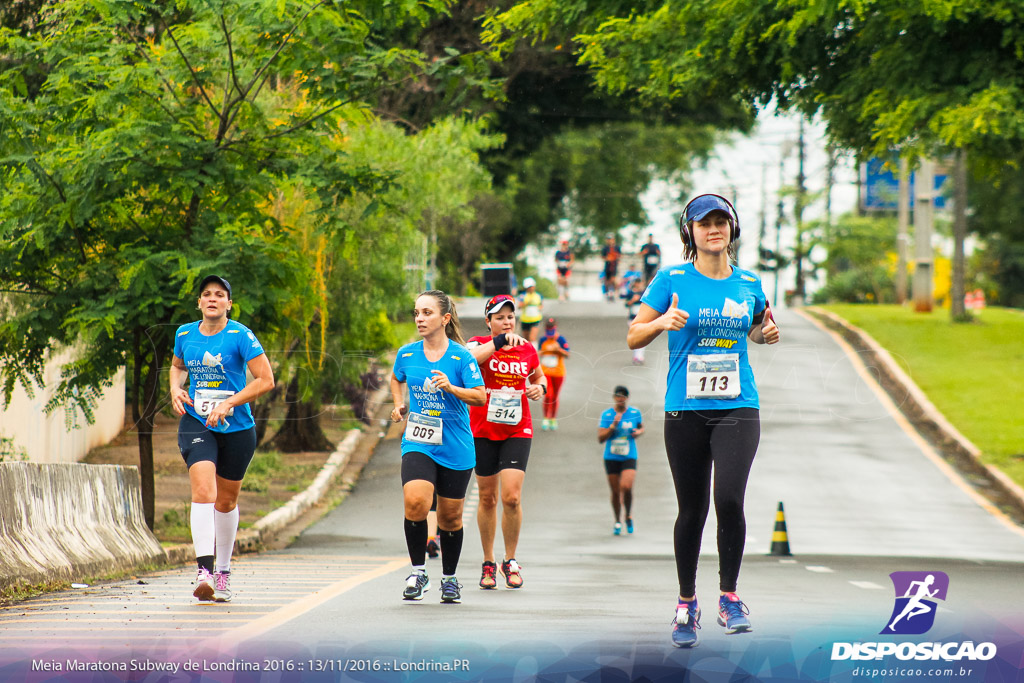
x=532, y=305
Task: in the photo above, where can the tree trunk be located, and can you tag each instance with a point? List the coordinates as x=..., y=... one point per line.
x=261, y=412
x=957, y=287
x=144, y=408
x=301, y=429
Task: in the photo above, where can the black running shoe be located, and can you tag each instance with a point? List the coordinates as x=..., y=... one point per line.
x=433, y=549
x=416, y=584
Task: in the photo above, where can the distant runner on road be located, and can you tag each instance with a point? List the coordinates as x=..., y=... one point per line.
x=712, y=409
x=216, y=433
x=503, y=434
x=618, y=429
x=437, y=445
x=610, y=253
x=564, y=261
x=651, y=255
x=532, y=305
x=554, y=350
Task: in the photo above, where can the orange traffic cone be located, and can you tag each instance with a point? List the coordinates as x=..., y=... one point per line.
x=780, y=539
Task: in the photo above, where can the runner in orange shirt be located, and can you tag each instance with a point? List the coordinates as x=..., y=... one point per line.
x=554, y=349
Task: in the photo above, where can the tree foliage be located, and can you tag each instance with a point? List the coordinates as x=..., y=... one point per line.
x=149, y=157
x=882, y=74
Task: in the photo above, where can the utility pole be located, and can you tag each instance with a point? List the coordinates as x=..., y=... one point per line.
x=957, y=308
x=903, y=237
x=764, y=217
x=924, y=191
x=798, y=216
x=779, y=216
x=830, y=180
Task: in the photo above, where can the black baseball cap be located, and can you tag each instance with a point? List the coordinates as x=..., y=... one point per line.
x=621, y=391
x=215, y=278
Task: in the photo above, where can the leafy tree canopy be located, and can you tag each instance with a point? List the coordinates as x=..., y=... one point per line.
x=917, y=74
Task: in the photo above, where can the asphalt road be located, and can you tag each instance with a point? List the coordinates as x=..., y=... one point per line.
x=863, y=498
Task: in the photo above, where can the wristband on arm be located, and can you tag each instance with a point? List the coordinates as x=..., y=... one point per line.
x=500, y=341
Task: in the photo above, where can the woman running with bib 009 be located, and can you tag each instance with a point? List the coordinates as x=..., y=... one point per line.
x=711, y=403
x=437, y=446
x=216, y=433
x=503, y=433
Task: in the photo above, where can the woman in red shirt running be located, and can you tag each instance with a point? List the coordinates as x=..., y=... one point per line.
x=503, y=433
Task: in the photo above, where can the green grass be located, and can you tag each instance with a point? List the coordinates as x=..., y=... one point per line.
x=405, y=332
x=972, y=372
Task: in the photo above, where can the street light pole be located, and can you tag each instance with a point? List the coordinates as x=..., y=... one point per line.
x=924, y=191
x=902, y=237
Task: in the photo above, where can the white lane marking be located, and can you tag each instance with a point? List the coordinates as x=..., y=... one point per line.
x=868, y=585
x=296, y=609
x=787, y=561
x=820, y=569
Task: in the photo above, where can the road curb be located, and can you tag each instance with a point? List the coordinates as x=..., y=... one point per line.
x=922, y=413
x=257, y=537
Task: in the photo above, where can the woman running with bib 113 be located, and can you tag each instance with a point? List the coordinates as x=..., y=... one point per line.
x=709, y=309
x=437, y=445
x=216, y=433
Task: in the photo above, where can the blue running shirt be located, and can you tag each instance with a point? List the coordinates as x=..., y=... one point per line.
x=721, y=312
x=631, y=419
x=456, y=450
x=218, y=362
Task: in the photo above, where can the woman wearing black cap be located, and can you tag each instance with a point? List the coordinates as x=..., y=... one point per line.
x=618, y=429
x=216, y=433
x=712, y=407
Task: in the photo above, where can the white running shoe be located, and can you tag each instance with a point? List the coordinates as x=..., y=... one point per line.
x=204, y=585
x=222, y=586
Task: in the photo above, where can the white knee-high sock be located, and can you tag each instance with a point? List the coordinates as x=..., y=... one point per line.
x=202, y=521
x=227, y=527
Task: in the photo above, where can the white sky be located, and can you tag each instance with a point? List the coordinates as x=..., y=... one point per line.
x=746, y=170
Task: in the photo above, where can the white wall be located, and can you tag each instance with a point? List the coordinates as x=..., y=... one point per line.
x=46, y=438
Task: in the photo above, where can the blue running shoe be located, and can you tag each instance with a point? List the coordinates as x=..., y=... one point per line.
x=732, y=614
x=451, y=590
x=685, y=625
x=629, y=526
x=617, y=529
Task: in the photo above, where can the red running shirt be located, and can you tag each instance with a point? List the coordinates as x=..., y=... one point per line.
x=507, y=368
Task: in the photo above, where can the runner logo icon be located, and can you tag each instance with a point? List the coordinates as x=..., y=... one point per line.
x=916, y=595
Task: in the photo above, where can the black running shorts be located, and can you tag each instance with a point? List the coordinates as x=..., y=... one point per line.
x=616, y=466
x=495, y=456
x=231, y=452
x=448, y=483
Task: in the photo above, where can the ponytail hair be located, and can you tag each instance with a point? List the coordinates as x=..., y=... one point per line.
x=453, y=330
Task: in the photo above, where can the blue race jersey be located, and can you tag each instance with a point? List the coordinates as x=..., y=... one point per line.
x=622, y=438
x=456, y=451
x=721, y=313
x=217, y=363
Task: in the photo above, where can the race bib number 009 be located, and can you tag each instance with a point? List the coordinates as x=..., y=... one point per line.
x=208, y=399
x=424, y=429
x=715, y=375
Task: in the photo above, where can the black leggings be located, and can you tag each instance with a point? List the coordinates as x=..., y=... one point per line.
x=694, y=441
